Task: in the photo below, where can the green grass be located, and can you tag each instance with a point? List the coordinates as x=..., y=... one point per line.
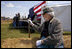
x=6, y=32
x=66, y=33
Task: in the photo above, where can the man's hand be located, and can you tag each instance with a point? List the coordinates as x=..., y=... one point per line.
x=38, y=42
x=31, y=23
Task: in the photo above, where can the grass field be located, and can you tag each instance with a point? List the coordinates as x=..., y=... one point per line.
x=7, y=32
x=8, y=35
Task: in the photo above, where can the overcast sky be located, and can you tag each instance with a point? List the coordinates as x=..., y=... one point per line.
x=10, y=8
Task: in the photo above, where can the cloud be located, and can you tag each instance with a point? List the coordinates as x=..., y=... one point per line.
x=3, y=3
x=8, y=4
x=49, y=1
x=18, y=6
x=11, y=5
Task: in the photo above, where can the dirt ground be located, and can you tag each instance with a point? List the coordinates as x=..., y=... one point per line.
x=29, y=42
x=67, y=41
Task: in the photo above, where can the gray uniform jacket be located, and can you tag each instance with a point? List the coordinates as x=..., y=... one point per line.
x=55, y=31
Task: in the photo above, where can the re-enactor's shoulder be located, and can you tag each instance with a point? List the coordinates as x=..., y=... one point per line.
x=57, y=20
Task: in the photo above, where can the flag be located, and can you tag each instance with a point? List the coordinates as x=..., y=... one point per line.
x=37, y=9
x=31, y=12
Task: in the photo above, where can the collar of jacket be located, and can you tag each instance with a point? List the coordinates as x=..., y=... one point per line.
x=52, y=19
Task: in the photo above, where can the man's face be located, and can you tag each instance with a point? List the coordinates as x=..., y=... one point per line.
x=46, y=16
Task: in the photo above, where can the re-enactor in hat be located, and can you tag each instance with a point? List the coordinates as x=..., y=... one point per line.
x=51, y=31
